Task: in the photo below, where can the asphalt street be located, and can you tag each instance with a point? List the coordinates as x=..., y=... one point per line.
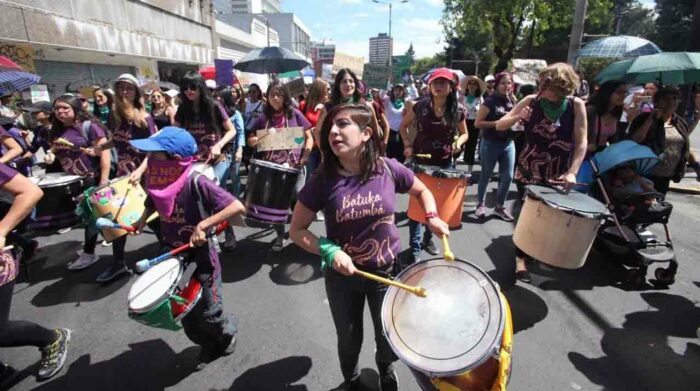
x=574, y=330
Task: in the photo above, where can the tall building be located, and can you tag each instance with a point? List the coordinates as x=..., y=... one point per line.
x=381, y=49
x=322, y=53
x=247, y=6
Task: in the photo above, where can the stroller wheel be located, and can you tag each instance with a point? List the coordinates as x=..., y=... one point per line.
x=636, y=277
x=664, y=277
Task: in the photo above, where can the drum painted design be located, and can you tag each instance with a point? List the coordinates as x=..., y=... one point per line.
x=155, y=299
x=558, y=228
x=120, y=201
x=452, y=335
x=56, y=209
x=269, y=191
x=448, y=187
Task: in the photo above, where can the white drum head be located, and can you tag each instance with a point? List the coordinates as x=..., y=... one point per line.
x=457, y=327
x=204, y=169
x=54, y=179
x=156, y=284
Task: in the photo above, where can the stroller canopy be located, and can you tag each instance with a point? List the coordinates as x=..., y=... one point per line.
x=624, y=152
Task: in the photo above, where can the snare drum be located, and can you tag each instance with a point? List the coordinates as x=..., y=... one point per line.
x=56, y=209
x=448, y=187
x=558, y=228
x=156, y=300
x=119, y=201
x=269, y=191
x=459, y=336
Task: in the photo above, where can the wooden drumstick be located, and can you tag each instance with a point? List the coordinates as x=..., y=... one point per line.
x=447, y=253
x=63, y=141
x=416, y=290
x=424, y=155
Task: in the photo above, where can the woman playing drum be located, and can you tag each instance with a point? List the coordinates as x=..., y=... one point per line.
x=357, y=189
x=440, y=118
x=280, y=114
x=70, y=122
x=555, y=136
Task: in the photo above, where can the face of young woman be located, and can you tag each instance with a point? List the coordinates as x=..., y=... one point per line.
x=398, y=92
x=346, y=138
x=440, y=87
x=253, y=94
x=156, y=98
x=505, y=85
x=347, y=86
x=64, y=113
x=192, y=92
x=617, y=98
x=100, y=98
x=326, y=94
x=126, y=91
x=276, y=100
x=472, y=86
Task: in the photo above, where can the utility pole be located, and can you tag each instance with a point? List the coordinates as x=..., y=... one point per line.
x=576, y=31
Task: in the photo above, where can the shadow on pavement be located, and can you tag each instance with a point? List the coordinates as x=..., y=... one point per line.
x=50, y=261
x=149, y=365
x=638, y=355
x=526, y=307
x=277, y=375
x=501, y=251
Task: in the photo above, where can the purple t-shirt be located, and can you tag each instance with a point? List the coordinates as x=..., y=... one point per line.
x=129, y=157
x=204, y=135
x=291, y=156
x=9, y=267
x=360, y=216
x=73, y=161
x=433, y=137
x=176, y=230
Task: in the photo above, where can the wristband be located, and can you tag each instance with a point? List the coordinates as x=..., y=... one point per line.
x=430, y=215
x=327, y=248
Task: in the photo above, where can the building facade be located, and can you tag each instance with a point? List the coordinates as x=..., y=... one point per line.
x=74, y=44
x=381, y=48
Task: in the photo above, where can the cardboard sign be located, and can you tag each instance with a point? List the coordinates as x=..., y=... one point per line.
x=295, y=87
x=376, y=76
x=355, y=64
x=224, y=72
x=273, y=139
x=527, y=71
x=39, y=93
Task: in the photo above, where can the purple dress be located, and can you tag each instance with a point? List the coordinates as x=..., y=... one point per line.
x=129, y=157
x=548, y=146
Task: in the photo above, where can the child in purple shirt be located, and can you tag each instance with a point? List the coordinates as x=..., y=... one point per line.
x=189, y=206
x=357, y=191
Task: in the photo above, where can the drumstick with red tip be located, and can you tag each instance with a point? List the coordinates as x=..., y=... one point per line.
x=416, y=290
x=107, y=223
x=145, y=264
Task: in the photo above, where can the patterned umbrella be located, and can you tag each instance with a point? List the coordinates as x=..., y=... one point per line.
x=11, y=81
x=619, y=46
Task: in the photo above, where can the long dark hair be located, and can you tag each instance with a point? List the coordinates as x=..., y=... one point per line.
x=392, y=97
x=109, y=104
x=209, y=112
x=330, y=164
x=601, y=100
x=287, y=106
x=452, y=110
x=229, y=102
x=336, y=95
x=57, y=127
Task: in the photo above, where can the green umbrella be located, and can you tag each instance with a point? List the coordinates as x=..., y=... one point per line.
x=666, y=68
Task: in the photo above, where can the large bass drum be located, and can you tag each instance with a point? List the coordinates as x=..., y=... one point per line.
x=458, y=336
x=269, y=191
x=57, y=208
x=448, y=187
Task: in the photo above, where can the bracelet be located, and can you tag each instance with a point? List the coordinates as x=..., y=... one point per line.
x=430, y=215
x=327, y=248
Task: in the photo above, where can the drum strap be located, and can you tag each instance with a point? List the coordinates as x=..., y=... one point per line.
x=213, y=242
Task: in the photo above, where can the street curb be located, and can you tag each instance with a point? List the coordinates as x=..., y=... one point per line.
x=689, y=186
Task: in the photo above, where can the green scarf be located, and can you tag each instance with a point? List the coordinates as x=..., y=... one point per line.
x=398, y=104
x=470, y=99
x=350, y=99
x=553, y=110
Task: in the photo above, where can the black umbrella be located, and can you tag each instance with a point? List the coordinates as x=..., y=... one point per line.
x=271, y=59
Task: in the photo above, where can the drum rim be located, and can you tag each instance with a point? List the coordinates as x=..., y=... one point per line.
x=582, y=213
x=431, y=170
x=278, y=166
x=486, y=354
x=163, y=296
x=39, y=178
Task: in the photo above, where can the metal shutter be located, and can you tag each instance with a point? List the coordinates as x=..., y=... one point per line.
x=62, y=77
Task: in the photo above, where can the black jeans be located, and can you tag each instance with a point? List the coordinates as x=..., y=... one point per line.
x=472, y=141
x=118, y=245
x=14, y=333
x=394, y=147
x=346, y=298
x=15, y=237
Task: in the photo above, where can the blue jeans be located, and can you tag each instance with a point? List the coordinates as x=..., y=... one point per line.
x=492, y=152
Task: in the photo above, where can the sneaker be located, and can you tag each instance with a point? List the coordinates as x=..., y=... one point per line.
x=115, y=270
x=389, y=381
x=480, y=211
x=8, y=376
x=349, y=385
x=429, y=247
x=503, y=214
x=278, y=244
x=105, y=244
x=54, y=355
x=83, y=261
x=230, y=348
x=320, y=216
x=64, y=230
x=229, y=244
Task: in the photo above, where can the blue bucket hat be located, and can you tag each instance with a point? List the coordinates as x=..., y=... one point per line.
x=170, y=139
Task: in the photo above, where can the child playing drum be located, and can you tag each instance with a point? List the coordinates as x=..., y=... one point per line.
x=188, y=207
x=357, y=190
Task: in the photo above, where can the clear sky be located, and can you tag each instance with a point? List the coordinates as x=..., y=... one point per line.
x=350, y=23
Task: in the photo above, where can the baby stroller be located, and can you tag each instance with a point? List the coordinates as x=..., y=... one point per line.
x=625, y=234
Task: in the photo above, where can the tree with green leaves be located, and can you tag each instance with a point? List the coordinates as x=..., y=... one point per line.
x=673, y=24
